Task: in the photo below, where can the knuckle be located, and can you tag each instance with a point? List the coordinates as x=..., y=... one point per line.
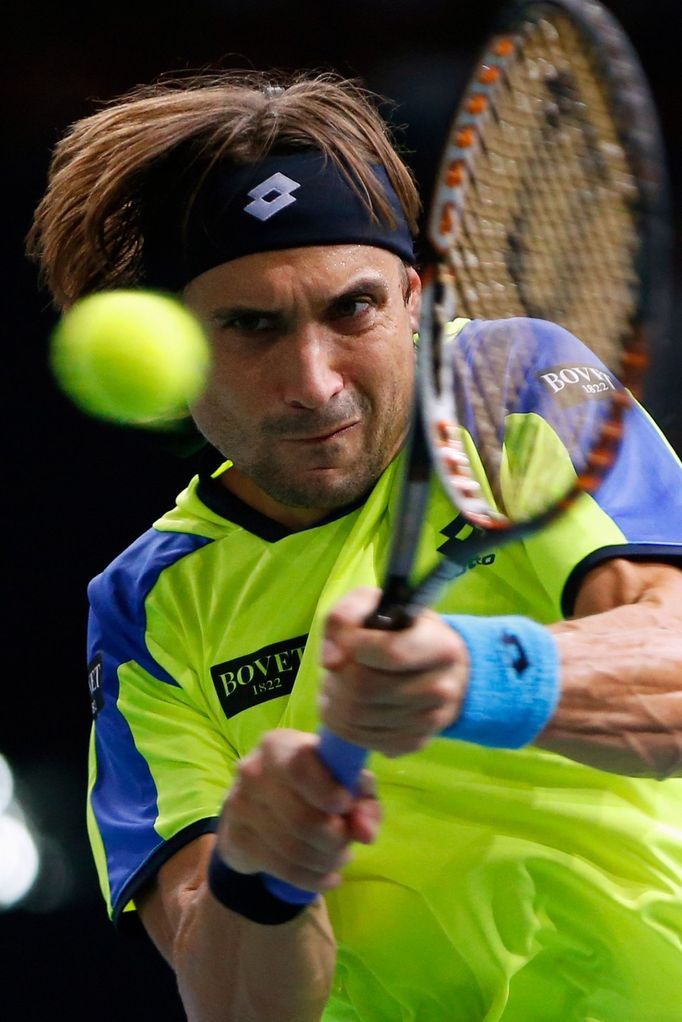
x=337, y=713
x=248, y=769
x=407, y=744
x=300, y=818
x=239, y=848
x=367, y=784
x=342, y=615
x=270, y=743
x=429, y=722
x=236, y=800
x=289, y=847
x=444, y=687
x=306, y=879
x=302, y=761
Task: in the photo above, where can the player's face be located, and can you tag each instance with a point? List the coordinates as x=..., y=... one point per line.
x=313, y=372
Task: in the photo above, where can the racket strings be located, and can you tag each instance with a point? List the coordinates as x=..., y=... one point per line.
x=548, y=229
x=479, y=413
x=468, y=376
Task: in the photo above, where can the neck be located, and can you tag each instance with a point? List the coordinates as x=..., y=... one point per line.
x=293, y=518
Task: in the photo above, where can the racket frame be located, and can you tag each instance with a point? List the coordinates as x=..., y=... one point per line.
x=618, y=66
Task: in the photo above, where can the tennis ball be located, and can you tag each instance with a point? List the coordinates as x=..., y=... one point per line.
x=132, y=357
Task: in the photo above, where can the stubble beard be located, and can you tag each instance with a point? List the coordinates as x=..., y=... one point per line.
x=324, y=488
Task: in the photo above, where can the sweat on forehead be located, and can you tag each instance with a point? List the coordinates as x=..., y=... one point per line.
x=282, y=202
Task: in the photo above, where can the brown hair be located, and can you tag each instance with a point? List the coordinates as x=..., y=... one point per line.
x=87, y=232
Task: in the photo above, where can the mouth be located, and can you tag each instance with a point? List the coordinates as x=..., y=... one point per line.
x=333, y=434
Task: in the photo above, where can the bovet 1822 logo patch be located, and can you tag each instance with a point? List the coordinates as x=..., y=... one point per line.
x=95, y=681
x=265, y=674
x=571, y=384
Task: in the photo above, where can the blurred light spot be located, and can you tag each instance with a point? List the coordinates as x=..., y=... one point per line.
x=6, y=784
x=19, y=861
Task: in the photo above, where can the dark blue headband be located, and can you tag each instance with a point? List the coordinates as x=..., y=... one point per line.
x=285, y=201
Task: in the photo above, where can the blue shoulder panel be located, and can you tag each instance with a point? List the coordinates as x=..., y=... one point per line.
x=642, y=493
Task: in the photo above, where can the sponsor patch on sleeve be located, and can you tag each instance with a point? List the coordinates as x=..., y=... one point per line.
x=571, y=384
x=95, y=681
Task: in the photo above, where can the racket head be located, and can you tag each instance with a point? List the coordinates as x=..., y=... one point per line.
x=551, y=205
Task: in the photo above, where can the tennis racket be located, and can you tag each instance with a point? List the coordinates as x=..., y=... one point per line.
x=549, y=205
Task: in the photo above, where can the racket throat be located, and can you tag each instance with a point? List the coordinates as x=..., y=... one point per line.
x=395, y=611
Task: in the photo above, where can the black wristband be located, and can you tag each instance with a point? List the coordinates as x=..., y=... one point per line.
x=246, y=894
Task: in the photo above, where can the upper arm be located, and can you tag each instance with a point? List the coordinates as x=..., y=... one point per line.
x=618, y=582
x=162, y=901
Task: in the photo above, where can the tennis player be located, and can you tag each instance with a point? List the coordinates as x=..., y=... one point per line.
x=527, y=860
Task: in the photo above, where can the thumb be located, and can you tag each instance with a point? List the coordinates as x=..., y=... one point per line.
x=364, y=818
x=342, y=622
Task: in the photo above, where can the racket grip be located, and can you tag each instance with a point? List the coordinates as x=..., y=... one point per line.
x=345, y=762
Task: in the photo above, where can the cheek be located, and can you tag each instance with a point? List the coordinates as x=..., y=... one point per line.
x=221, y=399
x=395, y=370
x=228, y=385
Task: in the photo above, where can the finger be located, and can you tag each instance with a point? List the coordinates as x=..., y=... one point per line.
x=314, y=783
x=364, y=822
x=426, y=645
x=297, y=848
x=369, y=728
x=270, y=801
x=320, y=843
x=294, y=763
x=347, y=616
x=358, y=689
x=317, y=835
x=364, y=819
x=396, y=739
x=287, y=862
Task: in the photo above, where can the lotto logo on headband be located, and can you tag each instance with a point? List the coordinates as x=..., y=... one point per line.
x=279, y=187
x=235, y=212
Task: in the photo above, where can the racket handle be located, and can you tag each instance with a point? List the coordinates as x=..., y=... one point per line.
x=345, y=762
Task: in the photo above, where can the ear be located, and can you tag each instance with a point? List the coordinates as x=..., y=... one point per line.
x=414, y=298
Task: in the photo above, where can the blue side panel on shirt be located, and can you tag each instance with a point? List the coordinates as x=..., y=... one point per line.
x=124, y=798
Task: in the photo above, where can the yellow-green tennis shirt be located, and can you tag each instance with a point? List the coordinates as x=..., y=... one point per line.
x=505, y=885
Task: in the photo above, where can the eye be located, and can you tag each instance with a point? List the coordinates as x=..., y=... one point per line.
x=352, y=307
x=248, y=322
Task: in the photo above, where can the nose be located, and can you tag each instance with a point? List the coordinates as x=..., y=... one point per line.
x=310, y=373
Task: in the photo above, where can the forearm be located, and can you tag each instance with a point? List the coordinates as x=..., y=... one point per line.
x=613, y=700
x=621, y=698
x=230, y=969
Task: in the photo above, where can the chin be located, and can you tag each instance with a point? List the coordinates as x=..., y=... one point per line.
x=325, y=494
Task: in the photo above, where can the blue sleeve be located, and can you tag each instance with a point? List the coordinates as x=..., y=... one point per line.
x=642, y=493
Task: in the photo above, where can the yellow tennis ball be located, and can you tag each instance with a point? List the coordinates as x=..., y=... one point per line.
x=132, y=357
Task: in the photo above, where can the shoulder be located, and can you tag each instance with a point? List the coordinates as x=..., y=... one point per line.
x=132, y=575
x=547, y=338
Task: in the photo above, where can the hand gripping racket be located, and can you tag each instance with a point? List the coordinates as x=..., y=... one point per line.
x=550, y=204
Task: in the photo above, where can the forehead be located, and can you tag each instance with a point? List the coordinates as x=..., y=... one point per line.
x=318, y=269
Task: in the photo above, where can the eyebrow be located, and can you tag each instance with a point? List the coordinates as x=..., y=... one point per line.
x=371, y=284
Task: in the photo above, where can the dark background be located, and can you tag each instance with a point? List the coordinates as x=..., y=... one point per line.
x=76, y=492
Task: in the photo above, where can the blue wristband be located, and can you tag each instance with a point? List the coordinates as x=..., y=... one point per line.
x=514, y=680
